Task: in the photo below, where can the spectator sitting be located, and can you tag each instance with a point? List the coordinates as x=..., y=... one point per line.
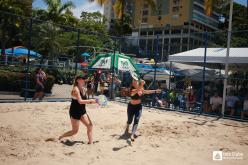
x=245, y=107
x=231, y=101
x=162, y=97
x=216, y=102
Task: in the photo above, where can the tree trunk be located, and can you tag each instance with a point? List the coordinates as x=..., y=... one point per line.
x=122, y=22
x=122, y=16
x=3, y=42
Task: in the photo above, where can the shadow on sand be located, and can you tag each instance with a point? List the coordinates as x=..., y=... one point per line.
x=125, y=136
x=71, y=143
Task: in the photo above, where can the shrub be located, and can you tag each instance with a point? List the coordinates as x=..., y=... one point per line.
x=15, y=81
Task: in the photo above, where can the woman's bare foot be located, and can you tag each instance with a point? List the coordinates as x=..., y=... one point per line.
x=132, y=138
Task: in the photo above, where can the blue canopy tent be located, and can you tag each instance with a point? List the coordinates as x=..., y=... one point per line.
x=85, y=55
x=21, y=51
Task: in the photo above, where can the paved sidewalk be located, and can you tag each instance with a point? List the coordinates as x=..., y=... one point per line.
x=58, y=92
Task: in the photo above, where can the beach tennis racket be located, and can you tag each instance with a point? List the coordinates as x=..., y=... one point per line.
x=102, y=100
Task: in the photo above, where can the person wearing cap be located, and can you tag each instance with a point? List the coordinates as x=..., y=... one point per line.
x=134, y=108
x=77, y=108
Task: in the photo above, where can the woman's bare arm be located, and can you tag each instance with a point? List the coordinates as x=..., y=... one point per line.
x=138, y=91
x=80, y=100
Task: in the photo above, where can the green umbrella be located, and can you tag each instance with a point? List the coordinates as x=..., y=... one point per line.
x=116, y=60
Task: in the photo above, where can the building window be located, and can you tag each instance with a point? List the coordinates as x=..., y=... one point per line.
x=175, y=41
x=166, y=32
x=185, y=40
x=176, y=2
x=176, y=31
x=143, y=33
x=175, y=9
x=150, y=33
x=145, y=12
x=185, y=30
x=158, y=32
x=166, y=41
x=144, y=20
x=145, y=6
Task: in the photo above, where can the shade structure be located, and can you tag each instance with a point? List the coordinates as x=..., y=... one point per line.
x=214, y=55
x=118, y=61
x=195, y=72
x=161, y=73
x=85, y=54
x=21, y=51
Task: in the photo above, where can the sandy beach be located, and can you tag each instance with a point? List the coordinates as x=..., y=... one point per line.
x=164, y=137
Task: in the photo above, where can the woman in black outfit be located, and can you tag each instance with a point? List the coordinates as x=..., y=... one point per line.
x=134, y=108
x=77, y=109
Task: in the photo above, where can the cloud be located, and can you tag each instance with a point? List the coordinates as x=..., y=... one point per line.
x=87, y=7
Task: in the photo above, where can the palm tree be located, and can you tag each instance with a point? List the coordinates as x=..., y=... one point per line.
x=47, y=41
x=9, y=23
x=56, y=10
x=210, y=4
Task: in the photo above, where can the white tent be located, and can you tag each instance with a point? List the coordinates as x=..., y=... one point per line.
x=194, y=71
x=214, y=55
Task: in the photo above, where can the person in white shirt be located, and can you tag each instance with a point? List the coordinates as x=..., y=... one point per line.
x=216, y=102
x=245, y=107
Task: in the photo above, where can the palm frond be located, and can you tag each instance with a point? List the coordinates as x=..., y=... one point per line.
x=67, y=5
x=117, y=7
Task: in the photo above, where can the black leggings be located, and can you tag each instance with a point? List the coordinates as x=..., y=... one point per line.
x=134, y=111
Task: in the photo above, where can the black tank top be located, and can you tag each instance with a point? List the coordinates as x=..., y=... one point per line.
x=83, y=96
x=136, y=96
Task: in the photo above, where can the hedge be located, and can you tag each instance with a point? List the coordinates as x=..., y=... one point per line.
x=15, y=81
x=66, y=76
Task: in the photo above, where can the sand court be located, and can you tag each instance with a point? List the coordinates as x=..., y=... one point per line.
x=29, y=132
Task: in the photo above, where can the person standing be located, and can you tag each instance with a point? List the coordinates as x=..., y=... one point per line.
x=40, y=77
x=216, y=102
x=96, y=80
x=90, y=87
x=134, y=108
x=245, y=107
x=77, y=110
x=113, y=83
x=231, y=101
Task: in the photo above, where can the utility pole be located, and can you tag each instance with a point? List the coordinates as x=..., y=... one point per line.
x=227, y=56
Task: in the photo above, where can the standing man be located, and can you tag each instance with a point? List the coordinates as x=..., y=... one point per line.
x=96, y=80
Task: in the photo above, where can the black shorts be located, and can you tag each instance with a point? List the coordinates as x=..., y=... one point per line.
x=77, y=110
x=39, y=88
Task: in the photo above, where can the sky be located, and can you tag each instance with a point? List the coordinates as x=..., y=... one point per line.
x=84, y=5
x=80, y=5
